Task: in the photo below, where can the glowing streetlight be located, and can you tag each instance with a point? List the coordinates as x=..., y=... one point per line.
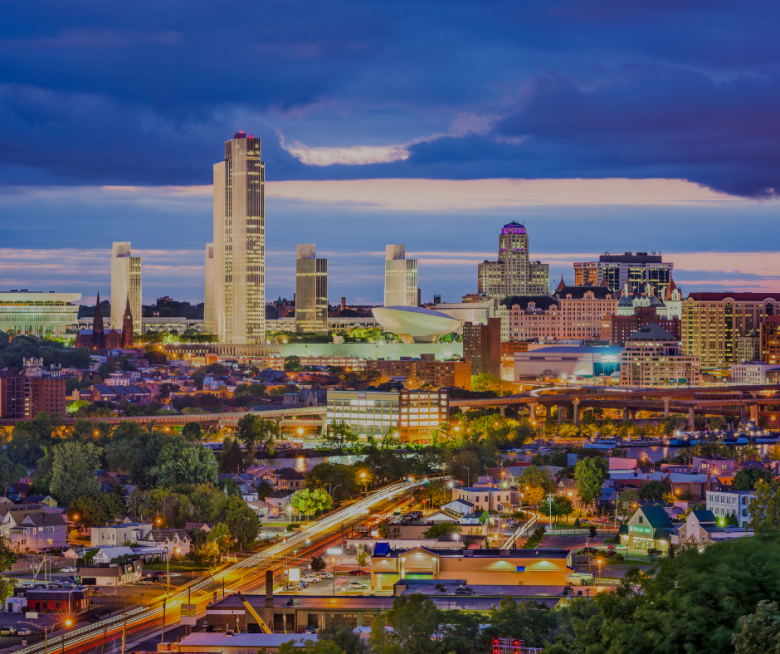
x=300, y=431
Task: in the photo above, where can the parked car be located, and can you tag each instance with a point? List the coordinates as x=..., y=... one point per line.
x=356, y=585
x=416, y=514
x=654, y=552
x=465, y=590
x=68, y=569
x=144, y=582
x=325, y=575
x=584, y=521
x=290, y=587
x=358, y=573
x=311, y=579
x=24, y=632
x=7, y=631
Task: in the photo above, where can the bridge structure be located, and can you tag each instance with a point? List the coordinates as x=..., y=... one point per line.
x=290, y=417
x=742, y=401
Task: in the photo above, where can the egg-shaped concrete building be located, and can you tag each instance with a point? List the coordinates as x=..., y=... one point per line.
x=416, y=324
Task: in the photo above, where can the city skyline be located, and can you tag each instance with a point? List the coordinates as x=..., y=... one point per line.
x=578, y=121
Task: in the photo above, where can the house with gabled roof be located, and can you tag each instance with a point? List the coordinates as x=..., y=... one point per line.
x=649, y=528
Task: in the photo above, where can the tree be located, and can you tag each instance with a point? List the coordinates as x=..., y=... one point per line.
x=414, y=620
x=97, y=509
x=764, y=509
x=342, y=636
x=310, y=647
x=441, y=529
x=207, y=553
x=534, y=496
x=560, y=510
x=180, y=462
x=292, y=363
x=232, y=459
x=625, y=502
x=340, y=433
x=311, y=501
x=73, y=471
x=590, y=474
x=10, y=473
x=361, y=558
x=318, y=563
x=568, y=430
x=746, y=479
x=529, y=621
x=537, y=477
x=653, y=490
x=759, y=631
x=220, y=535
x=7, y=560
x=192, y=432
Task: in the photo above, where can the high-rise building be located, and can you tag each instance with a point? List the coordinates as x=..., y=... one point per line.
x=400, y=278
x=652, y=357
x=637, y=270
x=711, y=323
x=514, y=273
x=311, y=291
x=125, y=283
x=239, y=243
x=23, y=397
x=482, y=347
x=770, y=340
x=208, y=285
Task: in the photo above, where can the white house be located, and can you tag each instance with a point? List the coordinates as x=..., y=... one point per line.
x=116, y=535
x=731, y=502
x=169, y=540
x=487, y=499
x=106, y=554
x=464, y=507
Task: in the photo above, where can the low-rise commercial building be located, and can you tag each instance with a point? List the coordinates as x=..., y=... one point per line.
x=489, y=566
x=567, y=361
x=730, y=502
x=38, y=313
x=649, y=528
x=416, y=372
x=756, y=372
x=409, y=415
x=652, y=357
x=487, y=499
x=113, y=574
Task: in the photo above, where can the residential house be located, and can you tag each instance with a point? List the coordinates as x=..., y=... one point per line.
x=487, y=499
x=649, y=528
x=727, y=467
x=567, y=488
x=205, y=527
x=462, y=507
x=260, y=507
x=278, y=500
x=39, y=532
x=114, y=535
x=730, y=502
x=168, y=540
x=262, y=473
x=19, y=491
x=44, y=500
x=105, y=555
x=289, y=478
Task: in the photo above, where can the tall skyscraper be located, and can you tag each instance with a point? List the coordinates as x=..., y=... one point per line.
x=638, y=270
x=400, y=278
x=239, y=243
x=311, y=291
x=125, y=283
x=514, y=273
x=208, y=285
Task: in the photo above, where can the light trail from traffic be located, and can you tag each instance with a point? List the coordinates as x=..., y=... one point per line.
x=138, y=619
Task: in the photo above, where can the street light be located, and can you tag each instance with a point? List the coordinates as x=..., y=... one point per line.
x=333, y=552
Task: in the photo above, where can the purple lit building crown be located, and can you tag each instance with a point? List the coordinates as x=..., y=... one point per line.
x=513, y=228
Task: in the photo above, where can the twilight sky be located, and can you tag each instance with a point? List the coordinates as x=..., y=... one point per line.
x=603, y=126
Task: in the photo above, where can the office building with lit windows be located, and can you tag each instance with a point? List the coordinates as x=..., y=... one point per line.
x=239, y=243
x=39, y=314
x=410, y=416
x=514, y=273
x=208, y=299
x=125, y=284
x=400, y=278
x=637, y=270
x=311, y=291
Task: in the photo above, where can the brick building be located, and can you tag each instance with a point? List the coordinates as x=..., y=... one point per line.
x=437, y=374
x=616, y=329
x=22, y=398
x=482, y=347
x=770, y=340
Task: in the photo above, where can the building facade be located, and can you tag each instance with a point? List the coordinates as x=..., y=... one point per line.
x=729, y=502
x=435, y=374
x=125, y=286
x=754, y=372
x=409, y=415
x=712, y=322
x=208, y=287
x=239, y=243
x=400, y=278
x=311, y=291
x=23, y=397
x=652, y=357
x=637, y=270
x=616, y=329
x=482, y=347
x=770, y=340
x=39, y=314
x=566, y=361
x=514, y=273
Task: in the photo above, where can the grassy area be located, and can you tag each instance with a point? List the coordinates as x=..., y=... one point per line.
x=174, y=567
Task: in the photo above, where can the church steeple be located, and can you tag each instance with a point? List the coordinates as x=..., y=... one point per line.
x=562, y=285
x=127, y=326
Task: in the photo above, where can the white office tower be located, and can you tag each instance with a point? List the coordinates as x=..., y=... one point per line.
x=208, y=286
x=239, y=243
x=400, y=278
x=125, y=283
x=311, y=291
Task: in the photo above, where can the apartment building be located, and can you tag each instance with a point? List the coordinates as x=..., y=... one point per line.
x=435, y=374
x=616, y=329
x=652, y=357
x=731, y=502
x=770, y=340
x=712, y=322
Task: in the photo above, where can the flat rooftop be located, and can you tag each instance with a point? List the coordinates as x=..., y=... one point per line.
x=488, y=554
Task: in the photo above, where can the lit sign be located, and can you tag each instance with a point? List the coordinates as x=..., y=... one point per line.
x=520, y=568
x=642, y=530
x=609, y=358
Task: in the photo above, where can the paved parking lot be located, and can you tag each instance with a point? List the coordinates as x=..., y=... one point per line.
x=325, y=587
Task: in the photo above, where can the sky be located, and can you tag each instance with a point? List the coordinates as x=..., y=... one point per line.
x=601, y=126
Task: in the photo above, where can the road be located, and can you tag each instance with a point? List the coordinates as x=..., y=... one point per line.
x=247, y=576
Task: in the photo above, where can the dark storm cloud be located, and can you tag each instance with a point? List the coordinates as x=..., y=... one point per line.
x=144, y=93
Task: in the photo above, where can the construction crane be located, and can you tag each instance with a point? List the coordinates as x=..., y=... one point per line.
x=255, y=615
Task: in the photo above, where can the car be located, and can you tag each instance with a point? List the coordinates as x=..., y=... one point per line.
x=356, y=585
x=68, y=569
x=416, y=514
x=291, y=587
x=325, y=575
x=145, y=582
x=311, y=579
x=24, y=632
x=465, y=590
x=654, y=552
x=8, y=631
x=358, y=573
x=584, y=521
x=610, y=547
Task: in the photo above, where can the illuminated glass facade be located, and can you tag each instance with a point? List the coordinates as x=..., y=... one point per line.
x=239, y=243
x=311, y=291
x=125, y=283
x=38, y=313
x=637, y=270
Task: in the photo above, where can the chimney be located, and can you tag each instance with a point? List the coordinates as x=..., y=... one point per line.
x=269, y=589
